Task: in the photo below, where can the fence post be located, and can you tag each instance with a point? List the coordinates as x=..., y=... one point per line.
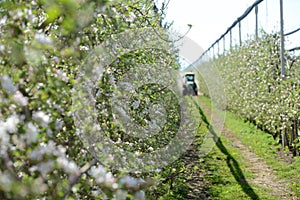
x=283, y=134
x=230, y=38
x=218, y=48
x=240, y=33
x=224, y=48
x=256, y=22
x=282, y=40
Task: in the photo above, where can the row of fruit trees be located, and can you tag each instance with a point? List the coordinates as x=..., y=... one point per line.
x=45, y=51
x=256, y=90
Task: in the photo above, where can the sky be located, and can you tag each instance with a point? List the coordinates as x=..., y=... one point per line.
x=211, y=18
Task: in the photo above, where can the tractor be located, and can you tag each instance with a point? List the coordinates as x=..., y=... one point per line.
x=189, y=84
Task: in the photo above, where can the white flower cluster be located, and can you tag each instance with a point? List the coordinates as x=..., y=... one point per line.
x=62, y=75
x=7, y=127
x=122, y=186
x=43, y=39
x=20, y=99
x=48, y=149
x=43, y=149
x=7, y=85
x=42, y=118
x=103, y=177
x=132, y=183
x=69, y=167
x=31, y=133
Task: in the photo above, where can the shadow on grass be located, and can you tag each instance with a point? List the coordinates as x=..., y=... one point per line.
x=232, y=164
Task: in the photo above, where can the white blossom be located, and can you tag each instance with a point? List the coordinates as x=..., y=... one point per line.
x=11, y=124
x=46, y=167
x=131, y=182
x=43, y=39
x=99, y=173
x=31, y=133
x=140, y=195
x=136, y=104
x=69, y=166
x=44, y=149
x=109, y=178
x=42, y=117
x=6, y=180
x=20, y=99
x=62, y=75
x=2, y=47
x=4, y=137
x=8, y=85
x=32, y=18
x=3, y=20
x=121, y=194
x=84, y=48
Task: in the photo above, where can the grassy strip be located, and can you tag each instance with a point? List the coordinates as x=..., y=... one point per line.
x=227, y=175
x=265, y=147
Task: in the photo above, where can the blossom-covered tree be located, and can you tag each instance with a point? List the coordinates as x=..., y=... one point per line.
x=42, y=46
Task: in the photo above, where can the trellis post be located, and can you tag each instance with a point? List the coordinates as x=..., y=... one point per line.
x=224, y=48
x=283, y=134
x=230, y=38
x=282, y=39
x=218, y=47
x=240, y=33
x=256, y=22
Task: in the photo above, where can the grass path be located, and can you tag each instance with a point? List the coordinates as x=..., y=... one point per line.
x=264, y=175
x=253, y=177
